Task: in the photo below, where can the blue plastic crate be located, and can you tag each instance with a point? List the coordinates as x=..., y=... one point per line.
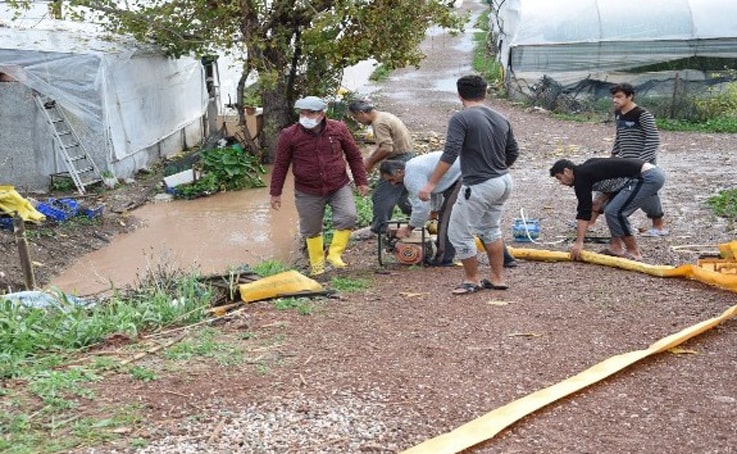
x=93, y=212
x=58, y=210
x=6, y=223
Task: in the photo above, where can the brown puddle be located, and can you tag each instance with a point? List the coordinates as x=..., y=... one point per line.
x=211, y=234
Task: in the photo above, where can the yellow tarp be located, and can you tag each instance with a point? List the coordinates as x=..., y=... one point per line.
x=288, y=283
x=490, y=424
x=11, y=202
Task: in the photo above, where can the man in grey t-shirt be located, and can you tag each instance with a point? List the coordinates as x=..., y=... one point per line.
x=484, y=142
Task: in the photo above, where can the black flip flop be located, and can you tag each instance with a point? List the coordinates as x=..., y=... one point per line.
x=487, y=284
x=466, y=288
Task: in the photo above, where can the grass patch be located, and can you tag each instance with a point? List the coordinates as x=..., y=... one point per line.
x=269, y=268
x=205, y=344
x=40, y=413
x=349, y=285
x=143, y=374
x=51, y=407
x=724, y=204
x=303, y=305
x=28, y=331
x=720, y=125
x=484, y=61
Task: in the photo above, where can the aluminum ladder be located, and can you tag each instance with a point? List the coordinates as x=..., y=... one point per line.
x=80, y=167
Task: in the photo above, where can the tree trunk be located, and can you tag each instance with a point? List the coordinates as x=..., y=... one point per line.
x=278, y=113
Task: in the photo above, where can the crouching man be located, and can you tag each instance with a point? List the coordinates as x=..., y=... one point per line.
x=646, y=180
x=414, y=174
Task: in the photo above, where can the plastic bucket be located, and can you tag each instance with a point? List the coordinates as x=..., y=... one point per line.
x=525, y=230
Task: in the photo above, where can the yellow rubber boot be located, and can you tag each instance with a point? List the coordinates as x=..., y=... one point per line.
x=317, y=255
x=337, y=247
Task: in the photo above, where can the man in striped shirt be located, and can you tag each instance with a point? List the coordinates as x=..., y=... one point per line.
x=637, y=138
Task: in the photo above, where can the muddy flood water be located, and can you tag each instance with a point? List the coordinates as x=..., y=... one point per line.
x=212, y=234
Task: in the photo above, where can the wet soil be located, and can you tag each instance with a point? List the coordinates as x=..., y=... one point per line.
x=383, y=368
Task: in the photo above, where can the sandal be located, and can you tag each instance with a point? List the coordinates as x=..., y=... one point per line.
x=610, y=253
x=623, y=255
x=653, y=232
x=487, y=284
x=466, y=288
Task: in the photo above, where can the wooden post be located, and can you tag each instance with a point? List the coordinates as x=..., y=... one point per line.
x=19, y=229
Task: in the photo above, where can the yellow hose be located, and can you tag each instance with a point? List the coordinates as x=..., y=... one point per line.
x=490, y=424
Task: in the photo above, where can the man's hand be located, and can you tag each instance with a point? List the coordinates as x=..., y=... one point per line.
x=368, y=164
x=276, y=202
x=576, y=250
x=374, y=158
x=363, y=190
x=582, y=226
x=426, y=192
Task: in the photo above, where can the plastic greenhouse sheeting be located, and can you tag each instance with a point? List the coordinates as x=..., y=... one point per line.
x=137, y=96
x=584, y=36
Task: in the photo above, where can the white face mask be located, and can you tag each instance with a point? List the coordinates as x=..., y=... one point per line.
x=309, y=123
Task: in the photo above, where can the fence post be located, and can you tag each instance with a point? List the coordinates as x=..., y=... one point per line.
x=675, y=96
x=19, y=229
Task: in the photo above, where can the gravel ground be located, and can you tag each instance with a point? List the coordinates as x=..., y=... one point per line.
x=383, y=369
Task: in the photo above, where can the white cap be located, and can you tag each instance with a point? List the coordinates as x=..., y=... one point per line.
x=311, y=103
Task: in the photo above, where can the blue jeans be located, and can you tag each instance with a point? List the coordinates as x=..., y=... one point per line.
x=637, y=193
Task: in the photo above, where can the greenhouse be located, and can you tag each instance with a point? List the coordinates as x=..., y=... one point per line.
x=584, y=46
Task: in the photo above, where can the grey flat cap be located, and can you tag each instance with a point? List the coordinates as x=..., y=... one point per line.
x=311, y=103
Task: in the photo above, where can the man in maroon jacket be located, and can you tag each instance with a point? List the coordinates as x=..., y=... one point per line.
x=318, y=148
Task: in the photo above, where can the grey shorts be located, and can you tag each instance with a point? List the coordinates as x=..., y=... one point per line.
x=477, y=212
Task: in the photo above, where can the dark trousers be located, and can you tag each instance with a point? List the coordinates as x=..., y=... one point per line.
x=386, y=196
x=446, y=251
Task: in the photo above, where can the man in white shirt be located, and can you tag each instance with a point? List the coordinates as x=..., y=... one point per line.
x=414, y=175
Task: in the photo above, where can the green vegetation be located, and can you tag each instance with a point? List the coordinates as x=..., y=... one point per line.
x=725, y=204
x=349, y=285
x=143, y=373
x=715, y=112
x=43, y=353
x=380, y=73
x=484, y=61
x=37, y=351
x=720, y=125
x=28, y=332
x=304, y=306
x=269, y=268
x=364, y=208
x=224, y=169
x=207, y=345
x=60, y=183
x=252, y=96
